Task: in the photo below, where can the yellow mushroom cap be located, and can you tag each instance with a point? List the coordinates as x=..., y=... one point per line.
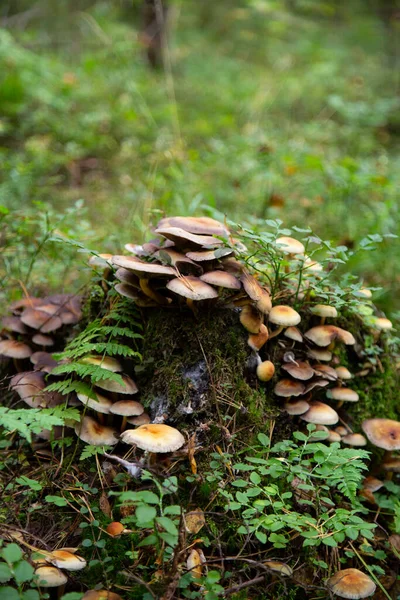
x=115, y=528
x=142, y=419
x=343, y=373
x=221, y=279
x=354, y=439
x=334, y=437
x=279, y=567
x=67, y=560
x=127, y=408
x=128, y=386
x=101, y=404
x=343, y=394
x=101, y=595
x=105, y=362
x=198, y=225
x=323, y=335
x=381, y=323
x=299, y=370
x=284, y=315
x=50, y=577
x=91, y=432
x=383, y=433
x=290, y=245
x=251, y=319
x=320, y=414
x=192, y=288
x=293, y=334
x=324, y=310
x=257, y=293
x=265, y=370
x=326, y=372
x=257, y=340
x=351, y=583
x=154, y=437
x=296, y=406
x=324, y=355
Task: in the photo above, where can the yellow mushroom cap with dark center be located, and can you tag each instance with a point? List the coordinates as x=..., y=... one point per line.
x=299, y=370
x=91, y=432
x=383, y=433
x=192, y=288
x=15, y=349
x=257, y=293
x=66, y=560
x=354, y=439
x=128, y=386
x=265, y=370
x=221, y=279
x=323, y=335
x=351, y=583
x=320, y=414
x=155, y=437
x=198, y=225
x=287, y=388
x=50, y=577
x=284, y=315
x=343, y=394
x=290, y=245
x=141, y=268
x=324, y=310
x=127, y=408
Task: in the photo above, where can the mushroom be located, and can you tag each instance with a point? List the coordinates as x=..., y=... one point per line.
x=101, y=595
x=30, y=385
x=192, y=288
x=299, y=370
x=265, y=370
x=40, y=339
x=257, y=293
x=66, y=560
x=343, y=373
x=351, y=583
x=14, y=324
x=290, y=246
x=257, y=340
x=115, y=529
x=279, y=567
x=142, y=419
x=100, y=404
x=155, y=437
x=181, y=262
x=323, y=335
x=293, y=334
x=128, y=386
x=324, y=311
x=288, y=388
x=91, y=432
x=251, y=318
x=145, y=271
x=296, y=407
x=354, y=439
x=383, y=433
x=184, y=239
x=198, y=225
x=320, y=414
x=326, y=372
x=343, y=395
x=284, y=316
x=15, y=349
x=126, y=408
x=105, y=362
x=221, y=279
x=49, y=577
x=324, y=355
x=38, y=319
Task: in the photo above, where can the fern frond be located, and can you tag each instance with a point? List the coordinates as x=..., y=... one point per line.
x=95, y=373
x=71, y=385
x=28, y=422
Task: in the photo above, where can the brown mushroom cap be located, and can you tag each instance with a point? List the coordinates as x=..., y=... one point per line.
x=42, y=340
x=354, y=439
x=343, y=394
x=105, y=362
x=221, y=279
x=284, y=315
x=320, y=414
x=210, y=255
x=180, y=261
x=300, y=370
x=326, y=372
x=324, y=355
x=101, y=595
x=192, y=287
x=383, y=433
x=127, y=276
x=334, y=437
x=50, y=577
x=323, y=335
x=15, y=349
x=351, y=583
x=154, y=438
x=141, y=268
x=290, y=245
x=13, y=323
x=372, y=484
x=341, y=430
x=128, y=291
x=297, y=406
x=43, y=361
x=183, y=238
x=91, y=432
x=127, y=408
x=265, y=370
x=38, y=319
x=312, y=266
x=142, y=419
x=198, y=225
x=257, y=293
x=393, y=465
x=280, y=567
x=324, y=310
x=29, y=385
x=287, y=388
x=115, y=528
x=128, y=386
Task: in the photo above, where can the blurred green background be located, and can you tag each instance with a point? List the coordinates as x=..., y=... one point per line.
x=261, y=109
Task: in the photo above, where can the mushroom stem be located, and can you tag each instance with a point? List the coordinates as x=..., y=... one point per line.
x=323, y=319
x=146, y=289
x=123, y=424
x=190, y=303
x=277, y=331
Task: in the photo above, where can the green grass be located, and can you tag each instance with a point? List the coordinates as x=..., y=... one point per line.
x=266, y=113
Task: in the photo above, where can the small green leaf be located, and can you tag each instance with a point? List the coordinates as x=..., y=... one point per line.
x=168, y=525
x=11, y=553
x=5, y=573
x=145, y=514
x=33, y=595
x=9, y=593
x=150, y=540
x=23, y=572
x=261, y=536
x=329, y=541
x=57, y=500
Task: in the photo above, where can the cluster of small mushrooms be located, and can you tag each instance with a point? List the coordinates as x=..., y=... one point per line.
x=194, y=262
